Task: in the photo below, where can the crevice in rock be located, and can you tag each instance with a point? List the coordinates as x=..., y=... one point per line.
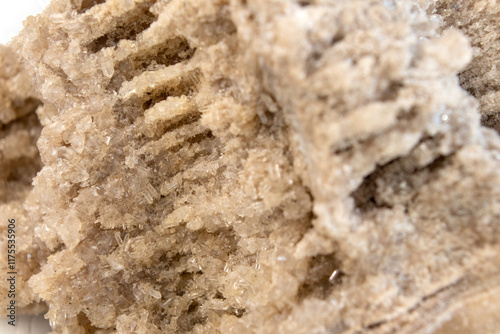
x=323, y=276
x=491, y=121
x=185, y=87
x=191, y=318
x=397, y=175
x=305, y=3
x=127, y=27
x=83, y=5
x=128, y=110
x=365, y=196
x=391, y=92
x=85, y=323
x=168, y=53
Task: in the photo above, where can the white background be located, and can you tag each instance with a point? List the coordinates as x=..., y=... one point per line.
x=13, y=13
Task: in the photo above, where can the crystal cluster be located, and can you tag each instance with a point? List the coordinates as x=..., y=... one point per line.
x=258, y=166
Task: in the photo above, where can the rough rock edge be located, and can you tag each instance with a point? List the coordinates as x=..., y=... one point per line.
x=435, y=143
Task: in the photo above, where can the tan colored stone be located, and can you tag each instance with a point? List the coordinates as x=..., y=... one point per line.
x=259, y=167
x=480, y=22
x=19, y=163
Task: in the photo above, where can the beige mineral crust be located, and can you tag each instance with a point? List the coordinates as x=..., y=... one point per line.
x=19, y=163
x=480, y=22
x=258, y=166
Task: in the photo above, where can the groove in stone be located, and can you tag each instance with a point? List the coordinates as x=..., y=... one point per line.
x=127, y=27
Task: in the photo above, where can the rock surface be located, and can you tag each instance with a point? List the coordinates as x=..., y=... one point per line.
x=19, y=163
x=480, y=22
x=264, y=166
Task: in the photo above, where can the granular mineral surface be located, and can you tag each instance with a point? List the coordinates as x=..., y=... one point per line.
x=255, y=166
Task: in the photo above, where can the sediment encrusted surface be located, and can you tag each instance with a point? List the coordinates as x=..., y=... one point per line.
x=480, y=22
x=261, y=166
x=19, y=163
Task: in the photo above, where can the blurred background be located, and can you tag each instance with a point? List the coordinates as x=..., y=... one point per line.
x=26, y=324
x=12, y=15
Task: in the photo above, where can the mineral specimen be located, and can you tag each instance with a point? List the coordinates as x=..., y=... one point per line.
x=19, y=163
x=260, y=166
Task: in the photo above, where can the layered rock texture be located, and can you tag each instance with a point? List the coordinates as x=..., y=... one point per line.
x=257, y=166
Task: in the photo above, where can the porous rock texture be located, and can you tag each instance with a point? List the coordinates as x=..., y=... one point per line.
x=19, y=163
x=260, y=166
x=480, y=22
